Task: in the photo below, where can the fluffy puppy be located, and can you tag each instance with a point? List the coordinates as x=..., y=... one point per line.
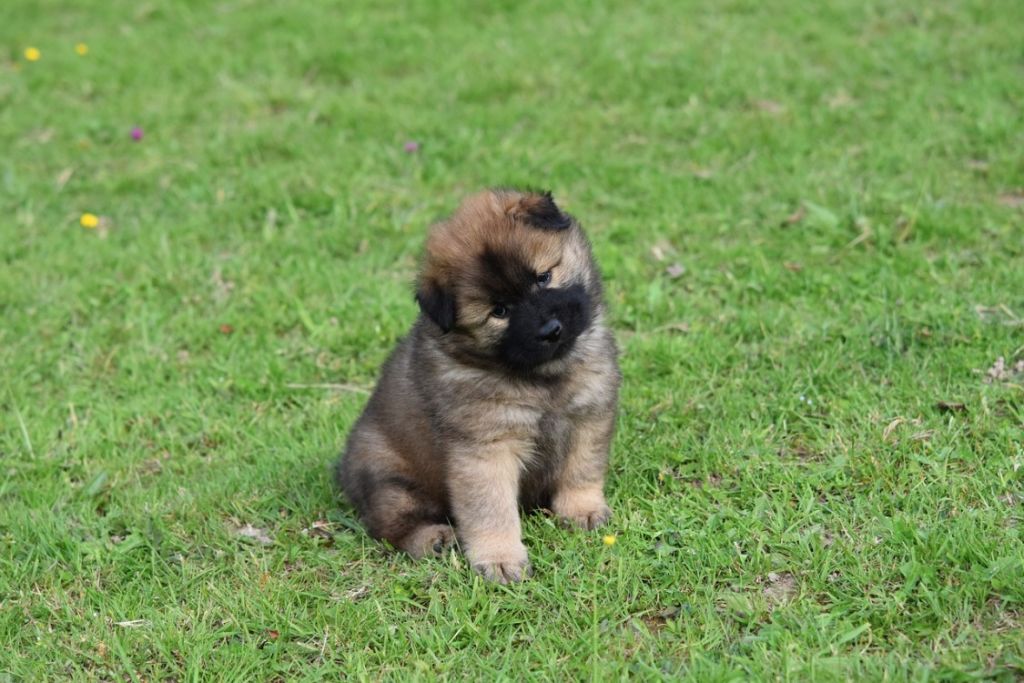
x=503, y=394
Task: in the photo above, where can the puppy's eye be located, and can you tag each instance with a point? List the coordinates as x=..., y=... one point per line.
x=500, y=311
x=544, y=279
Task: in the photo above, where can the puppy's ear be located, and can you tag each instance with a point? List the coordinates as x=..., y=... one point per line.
x=539, y=210
x=437, y=303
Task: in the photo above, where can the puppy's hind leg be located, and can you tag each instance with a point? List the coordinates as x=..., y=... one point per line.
x=394, y=508
x=394, y=504
x=428, y=540
x=407, y=519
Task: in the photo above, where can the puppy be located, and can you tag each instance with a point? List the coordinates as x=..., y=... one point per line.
x=503, y=394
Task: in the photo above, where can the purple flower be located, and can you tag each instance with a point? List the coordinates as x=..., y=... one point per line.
x=412, y=147
x=136, y=133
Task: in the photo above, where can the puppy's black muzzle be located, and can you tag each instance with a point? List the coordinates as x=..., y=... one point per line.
x=545, y=325
x=550, y=331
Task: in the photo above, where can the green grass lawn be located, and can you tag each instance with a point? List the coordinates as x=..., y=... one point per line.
x=811, y=222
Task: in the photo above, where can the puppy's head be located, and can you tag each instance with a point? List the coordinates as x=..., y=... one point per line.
x=509, y=280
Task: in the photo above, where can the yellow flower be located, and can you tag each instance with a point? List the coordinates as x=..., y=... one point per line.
x=89, y=220
x=82, y=49
x=32, y=54
x=609, y=539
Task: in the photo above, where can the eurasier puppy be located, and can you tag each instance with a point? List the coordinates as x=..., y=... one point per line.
x=503, y=394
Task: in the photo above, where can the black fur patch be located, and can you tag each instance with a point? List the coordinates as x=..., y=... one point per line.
x=540, y=211
x=508, y=278
x=522, y=348
x=438, y=304
x=398, y=481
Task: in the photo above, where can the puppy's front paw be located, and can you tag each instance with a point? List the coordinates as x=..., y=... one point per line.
x=504, y=566
x=586, y=510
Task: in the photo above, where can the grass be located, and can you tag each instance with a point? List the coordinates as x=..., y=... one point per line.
x=840, y=189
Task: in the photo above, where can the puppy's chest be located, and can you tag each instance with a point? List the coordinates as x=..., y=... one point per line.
x=491, y=411
x=541, y=414
x=521, y=415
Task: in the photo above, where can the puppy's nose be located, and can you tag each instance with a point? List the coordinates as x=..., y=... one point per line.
x=550, y=331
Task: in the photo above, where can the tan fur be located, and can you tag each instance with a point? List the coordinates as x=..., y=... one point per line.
x=428, y=539
x=579, y=496
x=484, y=485
x=452, y=435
